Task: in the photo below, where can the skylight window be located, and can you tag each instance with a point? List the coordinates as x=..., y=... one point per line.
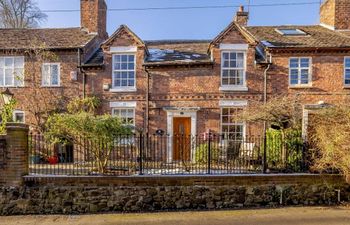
x=291, y=32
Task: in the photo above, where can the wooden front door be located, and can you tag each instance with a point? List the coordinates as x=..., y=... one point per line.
x=182, y=139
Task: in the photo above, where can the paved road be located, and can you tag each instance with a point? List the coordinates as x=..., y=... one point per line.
x=285, y=216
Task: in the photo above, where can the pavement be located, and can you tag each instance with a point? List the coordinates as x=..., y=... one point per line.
x=282, y=216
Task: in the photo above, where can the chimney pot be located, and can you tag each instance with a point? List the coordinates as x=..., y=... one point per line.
x=241, y=17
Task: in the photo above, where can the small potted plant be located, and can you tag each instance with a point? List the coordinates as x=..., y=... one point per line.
x=53, y=160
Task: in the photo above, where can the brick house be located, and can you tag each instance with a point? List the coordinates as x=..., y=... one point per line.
x=191, y=86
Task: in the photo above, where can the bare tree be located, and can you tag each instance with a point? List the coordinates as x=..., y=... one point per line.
x=20, y=14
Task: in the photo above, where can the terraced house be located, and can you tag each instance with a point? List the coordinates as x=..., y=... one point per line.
x=183, y=86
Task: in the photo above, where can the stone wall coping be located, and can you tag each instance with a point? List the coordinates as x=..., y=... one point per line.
x=183, y=180
x=17, y=126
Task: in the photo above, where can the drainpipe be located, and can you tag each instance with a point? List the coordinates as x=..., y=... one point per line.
x=81, y=70
x=147, y=101
x=265, y=100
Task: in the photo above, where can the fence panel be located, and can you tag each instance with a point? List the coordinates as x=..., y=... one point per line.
x=144, y=154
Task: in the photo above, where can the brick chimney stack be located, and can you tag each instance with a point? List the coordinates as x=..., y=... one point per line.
x=335, y=14
x=242, y=17
x=93, y=17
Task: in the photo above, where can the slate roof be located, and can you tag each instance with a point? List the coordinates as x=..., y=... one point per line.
x=317, y=37
x=177, y=52
x=96, y=59
x=167, y=52
x=53, y=38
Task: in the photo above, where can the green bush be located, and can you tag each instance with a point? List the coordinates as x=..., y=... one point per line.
x=201, y=155
x=291, y=143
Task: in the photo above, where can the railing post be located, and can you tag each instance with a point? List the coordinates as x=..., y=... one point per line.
x=141, y=154
x=264, y=169
x=209, y=152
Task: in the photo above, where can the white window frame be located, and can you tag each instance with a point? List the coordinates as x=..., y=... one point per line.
x=126, y=108
x=50, y=82
x=4, y=69
x=17, y=112
x=309, y=84
x=344, y=76
x=127, y=88
x=242, y=87
x=232, y=124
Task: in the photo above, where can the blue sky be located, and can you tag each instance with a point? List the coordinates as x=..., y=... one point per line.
x=183, y=24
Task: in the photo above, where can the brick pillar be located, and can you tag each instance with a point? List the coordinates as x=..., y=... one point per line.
x=17, y=154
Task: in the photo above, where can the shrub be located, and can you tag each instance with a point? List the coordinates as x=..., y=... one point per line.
x=284, y=150
x=201, y=155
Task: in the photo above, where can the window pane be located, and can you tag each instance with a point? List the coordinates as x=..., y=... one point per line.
x=131, y=58
x=125, y=115
x=233, y=64
x=46, y=75
x=131, y=83
x=304, y=76
x=54, y=74
x=117, y=83
x=131, y=75
x=232, y=56
x=294, y=63
x=2, y=77
x=240, y=56
x=225, y=56
x=9, y=77
x=19, y=117
x=19, y=77
x=124, y=58
x=225, y=81
x=131, y=66
x=117, y=75
x=117, y=66
x=9, y=62
x=347, y=73
x=2, y=62
x=304, y=62
x=117, y=58
x=240, y=63
x=225, y=73
x=347, y=62
x=124, y=66
x=226, y=64
x=19, y=62
x=294, y=81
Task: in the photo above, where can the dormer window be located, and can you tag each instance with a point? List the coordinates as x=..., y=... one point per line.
x=291, y=32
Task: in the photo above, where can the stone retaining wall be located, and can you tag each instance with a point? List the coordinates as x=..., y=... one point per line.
x=76, y=195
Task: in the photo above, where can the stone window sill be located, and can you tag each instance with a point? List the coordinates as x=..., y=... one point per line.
x=300, y=86
x=131, y=89
x=233, y=88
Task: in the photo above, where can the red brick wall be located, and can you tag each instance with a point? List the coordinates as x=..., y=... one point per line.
x=94, y=16
x=336, y=13
x=188, y=86
x=33, y=98
x=327, y=77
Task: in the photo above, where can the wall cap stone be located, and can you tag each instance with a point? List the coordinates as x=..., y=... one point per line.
x=17, y=126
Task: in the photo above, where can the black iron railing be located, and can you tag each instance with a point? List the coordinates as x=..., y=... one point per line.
x=144, y=154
